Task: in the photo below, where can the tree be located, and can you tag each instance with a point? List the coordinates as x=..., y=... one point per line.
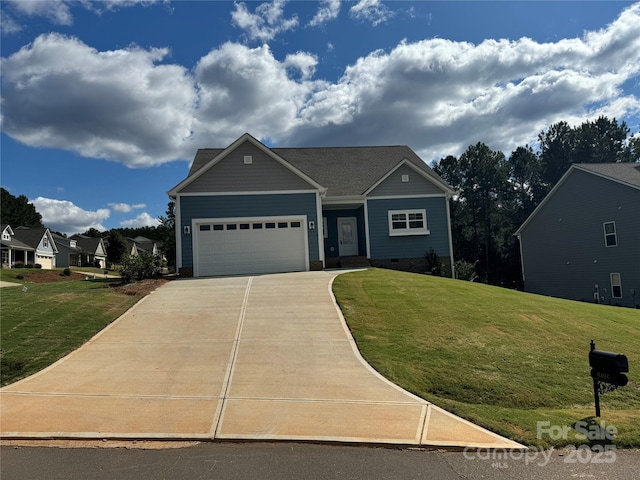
x=116, y=246
x=479, y=211
x=92, y=232
x=17, y=211
x=167, y=231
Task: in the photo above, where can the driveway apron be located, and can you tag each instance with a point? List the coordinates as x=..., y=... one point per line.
x=254, y=358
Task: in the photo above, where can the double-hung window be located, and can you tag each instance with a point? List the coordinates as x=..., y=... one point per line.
x=408, y=222
x=610, y=237
x=616, y=285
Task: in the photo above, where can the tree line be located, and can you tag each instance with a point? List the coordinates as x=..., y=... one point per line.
x=496, y=194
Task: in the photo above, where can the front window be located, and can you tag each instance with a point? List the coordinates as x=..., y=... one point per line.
x=616, y=285
x=610, y=237
x=408, y=222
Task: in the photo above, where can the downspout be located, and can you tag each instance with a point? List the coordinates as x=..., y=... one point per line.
x=453, y=265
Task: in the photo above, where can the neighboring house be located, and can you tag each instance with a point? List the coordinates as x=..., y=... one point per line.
x=250, y=209
x=145, y=244
x=132, y=247
x=92, y=248
x=583, y=241
x=28, y=246
x=79, y=251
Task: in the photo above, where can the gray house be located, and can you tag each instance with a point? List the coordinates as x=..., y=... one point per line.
x=583, y=241
x=28, y=246
x=249, y=209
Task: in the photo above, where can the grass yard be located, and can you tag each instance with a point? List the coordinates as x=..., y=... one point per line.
x=500, y=358
x=53, y=317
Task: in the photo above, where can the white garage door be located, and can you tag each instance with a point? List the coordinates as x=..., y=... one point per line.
x=250, y=246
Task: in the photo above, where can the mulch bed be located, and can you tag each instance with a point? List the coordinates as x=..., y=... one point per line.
x=46, y=276
x=139, y=288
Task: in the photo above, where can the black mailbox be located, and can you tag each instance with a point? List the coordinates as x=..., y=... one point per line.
x=608, y=362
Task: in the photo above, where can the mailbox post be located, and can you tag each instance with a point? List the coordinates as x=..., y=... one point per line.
x=607, y=372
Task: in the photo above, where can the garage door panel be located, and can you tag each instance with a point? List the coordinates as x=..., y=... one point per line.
x=251, y=246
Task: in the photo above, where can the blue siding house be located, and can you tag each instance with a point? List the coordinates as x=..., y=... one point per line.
x=583, y=241
x=250, y=209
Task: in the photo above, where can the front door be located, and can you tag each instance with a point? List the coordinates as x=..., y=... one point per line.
x=348, y=236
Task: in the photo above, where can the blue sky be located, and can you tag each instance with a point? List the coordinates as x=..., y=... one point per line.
x=105, y=103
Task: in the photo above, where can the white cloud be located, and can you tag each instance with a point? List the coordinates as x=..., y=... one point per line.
x=125, y=207
x=372, y=11
x=437, y=96
x=266, y=22
x=327, y=11
x=121, y=105
x=63, y=216
x=142, y=220
x=58, y=12
x=248, y=90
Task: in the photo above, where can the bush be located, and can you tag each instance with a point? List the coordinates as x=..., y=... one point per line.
x=434, y=265
x=97, y=264
x=18, y=265
x=37, y=265
x=145, y=265
x=20, y=277
x=28, y=265
x=67, y=272
x=466, y=271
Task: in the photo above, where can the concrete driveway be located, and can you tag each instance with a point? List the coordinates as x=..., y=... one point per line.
x=253, y=358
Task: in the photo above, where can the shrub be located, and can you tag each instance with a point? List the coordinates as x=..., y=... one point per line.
x=28, y=265
x=145, y=265
x=67, y=272
x=434, y=265
x=466, y=271
x=97, y=264
x=18, y=265
x=37, y=265
x=20, y=277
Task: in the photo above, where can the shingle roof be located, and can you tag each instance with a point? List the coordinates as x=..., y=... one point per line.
x=628, y=173
x=344, y=171
x=29, y=236
x=88, y=244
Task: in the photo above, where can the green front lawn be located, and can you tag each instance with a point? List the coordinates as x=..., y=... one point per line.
x=48, y=320
x=501, y=358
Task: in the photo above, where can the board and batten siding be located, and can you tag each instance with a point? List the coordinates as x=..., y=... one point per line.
x=231, y=174
x=417, y=184
x=249, y=206
x=384, y=246
x=563, y=246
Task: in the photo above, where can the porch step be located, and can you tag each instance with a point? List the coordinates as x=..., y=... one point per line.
x=353, y=262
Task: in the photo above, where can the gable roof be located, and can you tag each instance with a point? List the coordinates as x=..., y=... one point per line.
x=343, y=171
x=207, y=162
x=33, y=236
x=624, y=173
x=88, y=244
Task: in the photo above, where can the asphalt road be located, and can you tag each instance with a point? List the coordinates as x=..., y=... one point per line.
x=271, y=461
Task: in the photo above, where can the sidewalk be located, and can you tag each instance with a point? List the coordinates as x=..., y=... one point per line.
x=252, y=358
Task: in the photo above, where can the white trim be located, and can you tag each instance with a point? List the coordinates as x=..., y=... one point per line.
x=425, y=175
x=320, y=229
x=242, y=139
x=197, y=221
x=396, y=232
x=400, y=197
x=222, y=194
x=453, y=266
x=178, y=233
x=616, y=284
x=615, y=233
x=366, y=229
x=356, y=200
